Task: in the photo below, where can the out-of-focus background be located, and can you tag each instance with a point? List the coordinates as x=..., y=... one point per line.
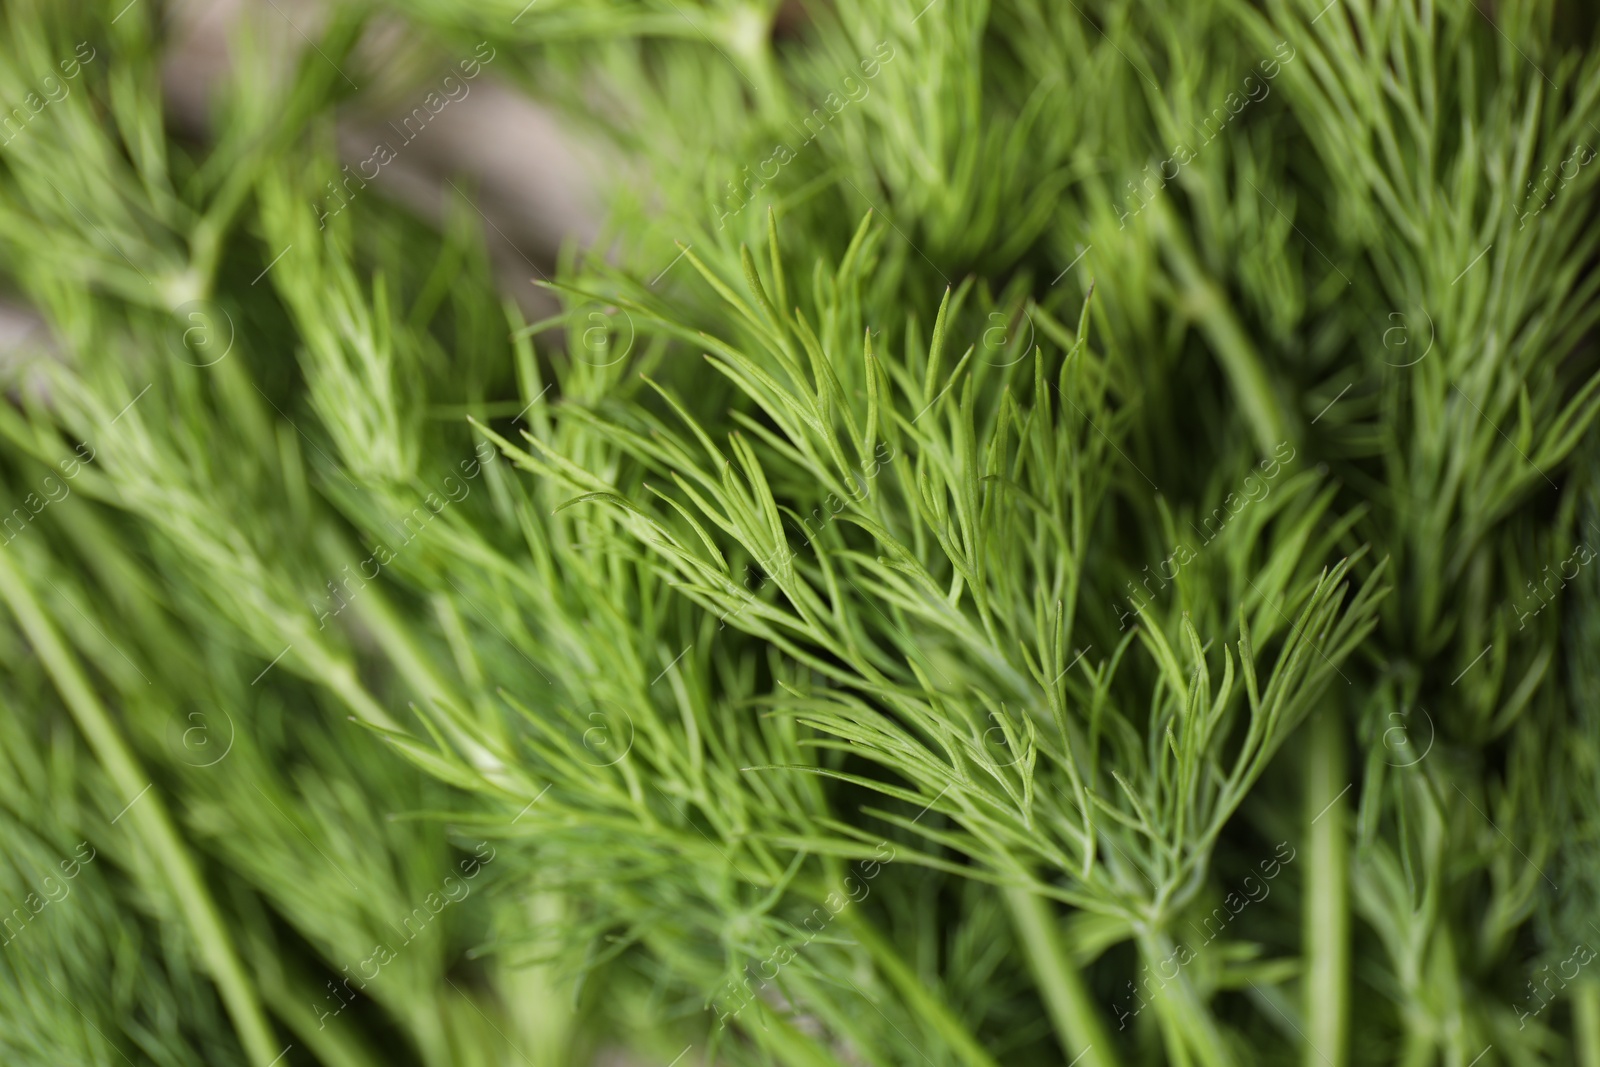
x=536, y=180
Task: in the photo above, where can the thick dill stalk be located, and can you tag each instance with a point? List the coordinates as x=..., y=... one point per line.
x=1187, y=1024
x=1083, y=1039
x=148, y=813
x=1327, y=909
x=1586, y=1023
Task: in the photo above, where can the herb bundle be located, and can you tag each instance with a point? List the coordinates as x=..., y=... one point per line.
x=1037, y=534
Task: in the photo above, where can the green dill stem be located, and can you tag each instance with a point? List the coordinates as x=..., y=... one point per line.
x=1187, y=1025
x=785, y=1042
x=1083, y=1038
x=1432, y=1011
x=533, y=988
x=146, y=812
x=1208, y=305
x=1586, y=1022
x=1417, y=1047
x=411, y=661
x=1327, y=896
x=916, y=995
x=333, y=1046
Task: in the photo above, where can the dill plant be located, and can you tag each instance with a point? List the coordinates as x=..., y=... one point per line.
x=790, y=635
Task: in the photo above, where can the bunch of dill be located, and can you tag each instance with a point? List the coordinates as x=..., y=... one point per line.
x=1051, y=534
